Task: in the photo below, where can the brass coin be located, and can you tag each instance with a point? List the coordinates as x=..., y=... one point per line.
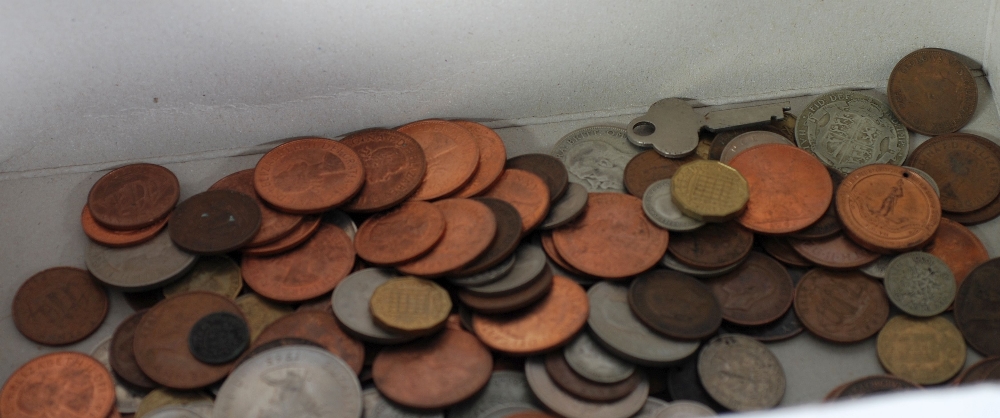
x=216, y=274
x=260, y=312
x=926, y=351
x=410, y=305
x=709, y=191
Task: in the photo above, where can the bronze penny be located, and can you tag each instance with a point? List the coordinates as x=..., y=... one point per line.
x=59, y=306
x=548, y=168
x=843, y=307
x=987, y=213
x=975, y=308
x=675, y=305
x=133, y=196
x=612, y=239
x=492, y=158
x=780, y=249
x=62, y=384
x=978, y=372
x=958, y=247
x=871, y=385
x=309, y=175
x=829, y=224
x=548, y=324
x=781, y=329
x=401, y=234
x=887, y=209
x=759, y=291
x=394, y=167
x=214, y=222
x=521, y=298
x=301, y=233
x=932, y=92
x=647, y=168
x=312, y=269
x=837, y=252
x=713, y=246
x=574, y=384
x=319, y=327
x=549, y=246
x=452, y=155
x=526, y=192
x=507, y=237
x=274, y=225
x=118, y=238
x=161, y=340
x=469, y=230
x=435, y=372
x=966, y=168
x=122, y=357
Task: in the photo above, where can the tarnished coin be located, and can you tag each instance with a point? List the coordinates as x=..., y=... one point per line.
x=214, y=222
x=127, y=398
x=288, y=382
x=919, y=284
x=924, y=350
x=260, y=312
x=986, y=213
x=574, y=384
x=394, y=167
x=593, y=362
x=273, y=224
x=452, y=155
x=56, y=384
x=133, y=196
x=470, y=227
x=713, y=246
x=749, y=140
x=650, y=167
x=871, y=385
x=298, y=235
x=758, y=292
x=163, y=397
x=671, y=263
x=377, y=406
x=351, y=306
x=975, y=308
x=218, y=338
x=217, y=273
x=841, y=307
x=958, y=247
x=142, y=267
x=59, y=306
x=887, y=209
x=927, y=177
x=507, y=237
x=567, y=208
x=410, y=305
x=122, y=356
x=527, y=192
x=506, y=391
x=836, y=252
x=780, y=329
x=675, y=304
x=596, y=157
x=709, y=191
x=978, y=371
x=966, y=167
x=932, y=91
x=877, y=268
x=659, y=207
x=565, y=404
x=548, y=168
x=313, y=269
x=401, y=234
x=118, y=238
x=545, y=325
x=686, y=409
x=530, y=263
x=741, y=373
x=309, y=175
x=829, y=224
x=523, y=297
x=492, y=158
x=318, y=327
x=780, y=249
x=848, y=129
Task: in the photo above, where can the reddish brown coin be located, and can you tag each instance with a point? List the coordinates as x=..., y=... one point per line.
x=492, y=157
x=548, y=168
x=312, y=269
x=274, y=225
x=932, y=92
x=976, y=217
x=504, y=243
x=548, y=324
x=712, y=246
x=843, y=307
x=301, y=233
x=829, y=224
x=836, y=252
x=779, y=248
x=978, y=371
x=452, y=155
x=549, y=247
x=958, y=247
x=400, y=235
x=435, y=372
x=394, y=167
x=612, y=238
x=308, y=175
x=133, y=196
x=647, y=168
x=758, y=292
x=569, y=380
x=161, y=340
x=59, y=306
x=527, y=192
x=675, y=305
x=535, y=290
x=122, y=357
x=214, y=222
x=470, y=228
x=63, y=384
x=124, y=238
x=870, y=385
x=789, y=188
x=319, y=327
x=966, y=168
x=976, y=314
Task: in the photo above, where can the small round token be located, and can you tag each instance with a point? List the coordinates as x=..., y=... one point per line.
x=521, y=298
x=121, y=356
x=596, y=156
x=312, y=269
x=214, y=222
x=546, y=167
x=217, y=273
x=564, y=404
x=141, y=267
x=842, y=307
x=919, y=284
x=492, y=158
x=741, y=373
x=133, y=196
x=470, y=227
x=594, y=363
x=650, y=167
x=756, y=293
x=410, y=305
x=966, y=167
x=401, y=234
x=319, y=327
x=301, y=233
x=871, y=385
x=59, y=306
x=452, y=155
x=567, y=379
x=658, y=205
x=309, y=175
x=836, y=252
x=958, y=247
x=923, y=350
x=218, y=338
x=274, y=224
x=507, y=237
x=394, y=167
x=675, y=305
x=747, y=140
x=260, y=312
x=527, y=192
x=118, y=238
x=548, y=324
x=932, y=92
x=712, y=246
x=975, y=308
x=567, y=208
x=709, y=191
x=56, y=384
x=530, y=263
x=351, y=305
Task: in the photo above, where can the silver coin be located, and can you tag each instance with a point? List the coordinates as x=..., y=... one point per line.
x=923, y=174
x=683, y=409
x=292, y=381
x=489, y=276
x=342, y=221
x=506, y=390
x=920, y=284
x=142, y=267
x=593, y=362
x=745, y=141
x=651, y=408
x=350, y=302
x=596, y=157
x=741, y=373
x=567, y=405
x=530, y=263
x=670, y=262
x=877, y=268
x=848, y=129
x=126, y=400
x=376, y=406
x=174, y=411
x=569, y=206
x=659, y=206
x=617, y=328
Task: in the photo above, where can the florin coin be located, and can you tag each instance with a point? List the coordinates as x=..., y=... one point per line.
x=596, y=157
x=748, y=140
x=217, y=274
x=593, y=362
x=52, y=384
x=649, y=167
x=842, y=307
x=142, y=267
x=351, y=306
x=526, y=192
x=59, y=306
x=133, y=196
x=567, y=208
x=958, y=247
x=318, y=327
x=966, y=167
x=565, y=404
x=376, y=406
x=741, y=373
x=924, y=350
x=506, y=390
x=126, y=397
x=492, y=158
x=273, y=224
x=548, y=168
x=401, y=234
x=260, y=312
x=659, y=207
x=674, y=304
x=932, y=91
x=709, y=191
x=309, y=175
x=545, y=325
x=452, y=155
x=975, y=308
x=394, y=167
x=410, y=305
x=919, y=284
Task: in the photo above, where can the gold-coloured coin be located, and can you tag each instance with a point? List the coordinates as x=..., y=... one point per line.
x=410, y=305
x=709, y=191
x=161, y=397
x=924, y=350
x=216, y=274
x=704, y=148
x=260, y=312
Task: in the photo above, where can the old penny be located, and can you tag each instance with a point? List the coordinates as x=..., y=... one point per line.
x=871, y=385
x=675, y=304
x=649, y=167
x=756, y=293
x=741, y=373
x=527, y=192
x=919, y=284
x=273, y=224
x=133, y=196
x=978, y=372
x=470, y=227
x=121, y=355
x=548, y=168
x=837, y=252
x=923, y=350
x=59, y=384
x=523, y=297
x=492, y=158
x=217, y=273
x=301, y=233
x=118, y=238
x=966, y=168
x=783, y=328
x=410, y=305
x=958, y=247
x=309, y=175
x=394, y=167
x=781, y=249
x=312, y=269
x=932, y=92
x=709, y=191
x=401, y=234
x=975, y=308
x=452, y=155
x=842, y=307
x=59, y=306
x=214, y=222
x=671, y=263
x=319, y=327
x=507, y=237
x=550, y=323
x=829, y=223
x=713, y=246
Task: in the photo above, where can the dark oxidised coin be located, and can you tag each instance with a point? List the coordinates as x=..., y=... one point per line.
x=783, y=328
x=219, y=337
x=932, y=92
x=576, y=385
x=674, y=304
x=779, y=248
x=835, y=252
x=842, y=307
x=976, y=314
x=507, y=237
x=214, y=222
x=60, y=305
x=712, y=246
x=978, y=372
x=829, y=224
x=521, y=298
x=966, y=168
x=122, y=357
x=759, y=291
x=550, y=169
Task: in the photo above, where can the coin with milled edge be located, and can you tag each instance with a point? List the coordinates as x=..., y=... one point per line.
x=351, y=306
x=659, y=207
x=377, y=406
x=924, y=350
x=741, y=373
x=217, y=273
x=749, y=140
x=593, y=362
x=758, y=292
x=966, y=168
x=309, y=175
x=932, y=91
x=548, y=168
x=842, y=307
x=919, y=284
x=709, y=191
x=975, y=308
x=504, y=243
x=671, y=263
x=713, y=246
x=60, y=305
x=506, y=391
x=394, y=167
x=675, y=304
x=127, y=397
x=133, y=196
x=565, y=404
x=567, y=208
x=596, y=157
x=142, y=267
x=410, y=305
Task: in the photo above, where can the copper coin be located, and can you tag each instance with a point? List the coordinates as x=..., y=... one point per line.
x=548, y=168
x=452, y=155
x=394, y=167
x=548, y=324
x=958, y=247
x=975, y=308
x=713, y=246
x=527, y=192
x=319, y=327
x=274, y=225
x=829, y=224
x=932, y=92
x=978, y=372
x=836, y=252
x=309, y=175
x=401, y=234
x=781, y=329
x=987, y=213
x=312, y=269
x=469, y=230
x=436, y=372
x=779, y=248
x=161, y=340
x=59, y=306
x=885, y=208
x=871, y=385
x=612, y=238
x=63, y=384
x=675, y=305
x=507, y=237
x=214, y=222
x=549, y=246
x=133, y=196
x=492, y=158
x=757, y=292
x=842, y=307
x=574, y=384
x=118, y=238
x=966, y=168
x=301, y=233
x=649, y=167
x=122, y=356
x=521, y=298
x=789, y=188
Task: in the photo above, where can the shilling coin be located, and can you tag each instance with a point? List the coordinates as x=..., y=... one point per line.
x=566, y=405
x=658, y=204
x=127, y=399
x=351, y=300
x=920, y=284
x=142, y=267
x=593, y=362
x=506, y=391
x=596, y=157
x=741, y=373
x=567, y=208
x=376, y=406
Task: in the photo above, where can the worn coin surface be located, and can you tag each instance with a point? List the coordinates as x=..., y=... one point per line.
x=871, y=385
x=527, y=192
x=567, y=379
x=214, y=222
x=548, y=168
x=975, y=308
x=836, y=252
x=675, y=304
x=301, y=233
x=217, y=273
x=567, y=208
x=986, y=213
x=142, y=267
x=712, y=246
x=487, y=276
x=508, y=235
x=59, y=306
x=932, y=92
x=919, y=284
x=492, y=158
x=565, y=404
x=127, y=398
x=649, y=167
x=319, y=327
x=377, y=406
x=543, y=326
x=966, y=168
x=749, y=140
x=978, y=371
x=260, y=312
x=506, y=390
x=924, y=350
x=118, y=238
x=780, y=329
x=658, y=205
x=133, y=196
x=596, y=157
x=709, y=191
x=595, y=363
x=410, y=305
x=309, y=175
x=218, y=338
x=350, y=302
x=312, y=269
x=470, y=227
x=451, y=152
x=401, y=234
x=686, y=409
x=841, y=307
x=887, y=209
x=756, y=293
x=57, y=385
x=122, y=355
x=394, y=167
x=958, y=247
x=274, y=224
x=741, y=373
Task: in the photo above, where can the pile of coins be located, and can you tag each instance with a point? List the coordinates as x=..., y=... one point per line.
x=602, y=280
